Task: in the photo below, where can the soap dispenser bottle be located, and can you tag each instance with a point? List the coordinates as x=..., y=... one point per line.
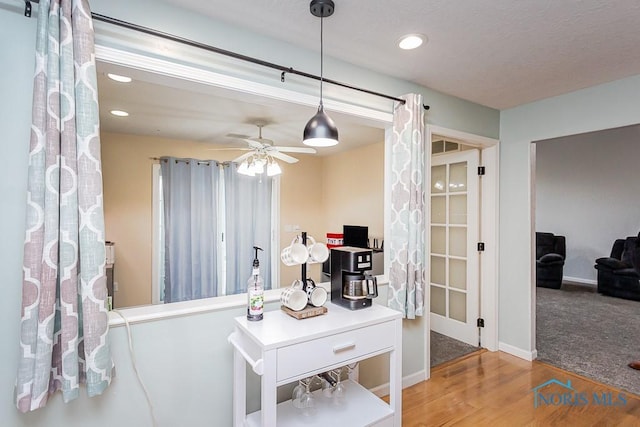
x=255, y=291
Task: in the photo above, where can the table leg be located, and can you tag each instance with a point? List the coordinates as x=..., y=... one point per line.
x=269, y=391
x=239, y=389
x=395, y=377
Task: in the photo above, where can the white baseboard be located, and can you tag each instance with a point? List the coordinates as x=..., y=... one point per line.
x=408, y=381
x=518, y=352
x=580, y=280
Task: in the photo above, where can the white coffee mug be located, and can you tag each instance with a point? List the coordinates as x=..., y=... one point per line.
x=318, y=252
x=294, y=254
x=316, y=295
x=295, y=299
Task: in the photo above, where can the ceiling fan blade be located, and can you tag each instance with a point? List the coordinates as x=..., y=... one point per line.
x=238, y=136
x=229, y=149
x=282, y=156
x=295, y=149
x=244, y=156
x=253, y=143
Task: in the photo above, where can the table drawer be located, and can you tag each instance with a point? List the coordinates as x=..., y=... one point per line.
x=313, y=355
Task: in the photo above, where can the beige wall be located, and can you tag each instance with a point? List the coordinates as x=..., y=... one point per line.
x=344, y=188
x=318, y=194
x=127, y=211
x=353, y=189
x=301, y=204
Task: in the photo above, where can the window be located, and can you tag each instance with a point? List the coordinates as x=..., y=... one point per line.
x=440, y=146
x=206, y=220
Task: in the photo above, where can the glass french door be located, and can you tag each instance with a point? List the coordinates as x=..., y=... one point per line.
x=454, y=263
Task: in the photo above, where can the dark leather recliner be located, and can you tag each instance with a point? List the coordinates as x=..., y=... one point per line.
x=550, y=255
x=619, y=273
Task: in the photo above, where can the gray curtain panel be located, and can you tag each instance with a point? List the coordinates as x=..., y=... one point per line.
x=64, y=326
x=194, y=198
x=190, y=188
x=248, y=219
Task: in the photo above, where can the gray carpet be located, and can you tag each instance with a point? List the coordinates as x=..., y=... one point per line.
x=444, y=349
x=590, y=334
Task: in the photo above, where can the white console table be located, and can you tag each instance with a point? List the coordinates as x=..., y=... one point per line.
x=282, y=350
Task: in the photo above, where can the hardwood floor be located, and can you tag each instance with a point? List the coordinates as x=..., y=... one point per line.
x=496, y=389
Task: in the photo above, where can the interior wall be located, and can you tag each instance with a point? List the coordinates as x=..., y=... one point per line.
x=127, y=185
x=600, y=107
x=185, y=361
x=587, y=188
x=300, y=207
x=353, y=189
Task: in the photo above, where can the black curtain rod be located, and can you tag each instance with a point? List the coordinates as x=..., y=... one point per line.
x=200, y=162
x=284, y=70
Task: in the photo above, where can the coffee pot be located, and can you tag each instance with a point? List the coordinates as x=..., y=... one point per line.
x=352, y=285
x=359, y=286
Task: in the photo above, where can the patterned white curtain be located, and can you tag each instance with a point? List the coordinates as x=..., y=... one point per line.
x=64, y=325
x=407, y=232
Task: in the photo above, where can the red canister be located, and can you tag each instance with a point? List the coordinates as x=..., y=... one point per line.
x=334, y=240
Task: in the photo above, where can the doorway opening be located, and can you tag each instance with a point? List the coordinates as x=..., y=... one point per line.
x=463, y=220
x=579, y=181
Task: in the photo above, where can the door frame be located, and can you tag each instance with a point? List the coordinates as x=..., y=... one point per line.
x=489, y=234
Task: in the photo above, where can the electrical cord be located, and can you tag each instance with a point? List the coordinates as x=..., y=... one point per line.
x=135, y=367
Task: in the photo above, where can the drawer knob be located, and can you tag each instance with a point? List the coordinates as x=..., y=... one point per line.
x=343, y=347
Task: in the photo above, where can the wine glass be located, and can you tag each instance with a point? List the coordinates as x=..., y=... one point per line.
x=327, y=389
x=307, y=400
x=339, y=392
x=296, y=397
x=340, y=389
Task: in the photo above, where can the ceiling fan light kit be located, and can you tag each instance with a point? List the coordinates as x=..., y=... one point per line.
x=321, y=131
x=258, y=166
x=273, y=168
x=255, y=166
x=263, y=153
x=243, y=169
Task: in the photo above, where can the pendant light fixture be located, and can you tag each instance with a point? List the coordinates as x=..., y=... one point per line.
x=321, y=131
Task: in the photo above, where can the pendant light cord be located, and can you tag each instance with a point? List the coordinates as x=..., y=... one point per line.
x=321, y=59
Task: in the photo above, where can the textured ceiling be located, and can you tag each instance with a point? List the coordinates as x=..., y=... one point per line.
x=499, y=53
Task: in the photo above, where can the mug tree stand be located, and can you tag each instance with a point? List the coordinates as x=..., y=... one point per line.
x=309, y=310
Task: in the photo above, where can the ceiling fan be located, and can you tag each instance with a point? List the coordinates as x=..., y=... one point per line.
x=260, y=147
x=262, y=153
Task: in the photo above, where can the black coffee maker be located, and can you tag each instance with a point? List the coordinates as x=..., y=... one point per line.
x=351, y=284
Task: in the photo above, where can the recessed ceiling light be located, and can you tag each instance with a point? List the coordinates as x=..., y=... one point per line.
x=119, y=113
x=411, y=41
x=119, y=78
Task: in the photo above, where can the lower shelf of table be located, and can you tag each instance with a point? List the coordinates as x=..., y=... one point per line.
x=360, y=408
